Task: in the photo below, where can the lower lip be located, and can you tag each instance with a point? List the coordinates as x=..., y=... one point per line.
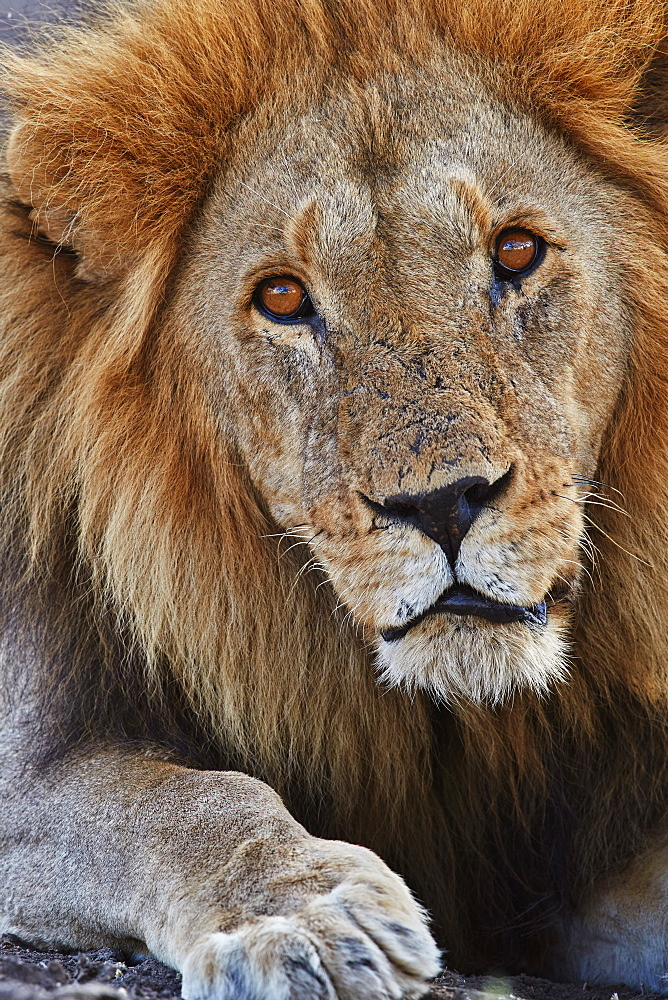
x=465, y=601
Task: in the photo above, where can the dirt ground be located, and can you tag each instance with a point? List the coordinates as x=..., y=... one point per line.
x=105, y=975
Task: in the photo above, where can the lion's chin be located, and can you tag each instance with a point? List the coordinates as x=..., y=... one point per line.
x=469, y=659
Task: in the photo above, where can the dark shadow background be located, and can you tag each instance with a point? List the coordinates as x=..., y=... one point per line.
x=16, y=16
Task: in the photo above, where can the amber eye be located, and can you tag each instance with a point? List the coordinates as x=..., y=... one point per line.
x=517, y=252
x=283, y=299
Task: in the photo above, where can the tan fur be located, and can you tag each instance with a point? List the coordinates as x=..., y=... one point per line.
x=158, y=481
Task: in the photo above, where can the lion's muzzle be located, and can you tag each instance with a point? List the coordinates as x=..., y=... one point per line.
x=445, y=515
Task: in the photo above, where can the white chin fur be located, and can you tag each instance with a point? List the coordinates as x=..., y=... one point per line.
x=470, y=659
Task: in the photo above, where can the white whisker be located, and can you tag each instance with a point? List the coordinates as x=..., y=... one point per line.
x=633, y=555
x=265, y=200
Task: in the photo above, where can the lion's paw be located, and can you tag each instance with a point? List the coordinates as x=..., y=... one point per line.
x=360, y=941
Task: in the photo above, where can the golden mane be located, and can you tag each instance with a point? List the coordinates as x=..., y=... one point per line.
x=130, y=533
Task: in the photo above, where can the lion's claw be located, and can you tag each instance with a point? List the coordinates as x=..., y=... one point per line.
x=270, y=960
x=358, y=942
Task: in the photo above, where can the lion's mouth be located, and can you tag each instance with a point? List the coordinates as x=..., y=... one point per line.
x=463, y=600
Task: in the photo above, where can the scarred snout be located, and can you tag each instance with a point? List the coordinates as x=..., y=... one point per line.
x=462, y=575
x=446, y=515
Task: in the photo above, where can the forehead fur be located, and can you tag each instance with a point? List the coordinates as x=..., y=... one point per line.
x=122, y=124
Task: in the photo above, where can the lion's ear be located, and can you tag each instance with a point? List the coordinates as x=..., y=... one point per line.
x=54, y=218
x=84, y=189
x=116, y=129
x=650, y=111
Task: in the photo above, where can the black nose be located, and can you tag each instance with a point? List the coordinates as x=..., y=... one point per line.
x=445, y=514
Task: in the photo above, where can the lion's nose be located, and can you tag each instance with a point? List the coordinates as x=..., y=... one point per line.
x=445, y=514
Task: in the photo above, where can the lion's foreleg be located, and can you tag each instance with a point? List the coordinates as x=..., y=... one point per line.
x=208, y=871
x=619, y=933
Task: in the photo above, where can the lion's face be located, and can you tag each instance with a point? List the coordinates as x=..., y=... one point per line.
x=428, y=422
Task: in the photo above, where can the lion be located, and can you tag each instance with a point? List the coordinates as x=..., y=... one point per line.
x=334, y=450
